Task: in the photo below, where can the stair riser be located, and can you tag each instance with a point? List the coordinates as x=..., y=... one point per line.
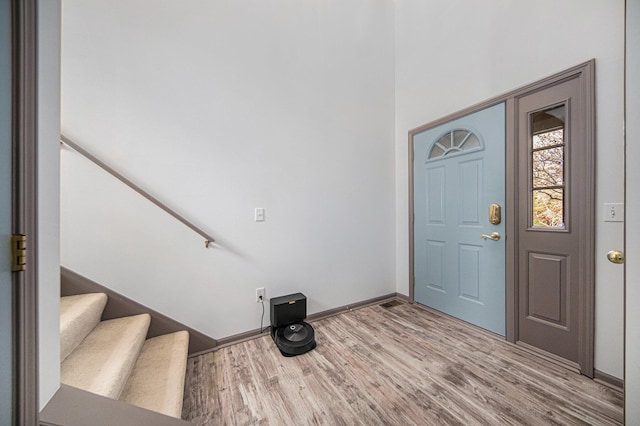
x=103, y=362
x=79, y=315
x=157, y=380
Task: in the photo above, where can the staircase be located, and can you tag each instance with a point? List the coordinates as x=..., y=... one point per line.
x=113, y=358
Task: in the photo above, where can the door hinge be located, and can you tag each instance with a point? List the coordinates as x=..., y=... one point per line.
x=18, y=252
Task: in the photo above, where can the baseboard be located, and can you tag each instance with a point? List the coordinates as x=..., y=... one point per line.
x=254, y=334
x=72, y=283
x=608, y=380
x=404, y=298
x=346, y=308
x=238, y=338
x=74, y=407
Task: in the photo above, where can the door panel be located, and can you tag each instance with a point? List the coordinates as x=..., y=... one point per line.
x=547, y=298
x=458, y=172
x=469, y=265
x=552, y=181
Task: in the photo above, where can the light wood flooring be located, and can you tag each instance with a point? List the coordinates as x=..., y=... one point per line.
x=401, y=365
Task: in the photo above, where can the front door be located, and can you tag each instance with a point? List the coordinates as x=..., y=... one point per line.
x=459, y=194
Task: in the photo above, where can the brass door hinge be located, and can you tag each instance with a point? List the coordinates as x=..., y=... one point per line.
x=18, y=252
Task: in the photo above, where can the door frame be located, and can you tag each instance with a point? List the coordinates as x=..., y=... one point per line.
x=24, y=207
x=585, y=72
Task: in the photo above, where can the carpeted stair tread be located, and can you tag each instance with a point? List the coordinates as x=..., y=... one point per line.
x=157, y=380
x=104, y=360
x=79, y=315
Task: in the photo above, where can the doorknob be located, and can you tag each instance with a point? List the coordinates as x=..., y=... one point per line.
x=615, y=256
x=495, y=236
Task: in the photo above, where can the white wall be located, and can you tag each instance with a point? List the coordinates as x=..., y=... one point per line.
x=221, y=107
x=48, y=197
x=217, y=108
x=450, y=55
x=632, y=235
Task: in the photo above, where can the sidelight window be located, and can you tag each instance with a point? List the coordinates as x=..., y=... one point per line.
x=548, y=141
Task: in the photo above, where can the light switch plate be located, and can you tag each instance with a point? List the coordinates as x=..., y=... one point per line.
x=614, y=212
x=259, y=215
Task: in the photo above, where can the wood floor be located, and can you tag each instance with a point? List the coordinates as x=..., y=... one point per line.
x=400, y=365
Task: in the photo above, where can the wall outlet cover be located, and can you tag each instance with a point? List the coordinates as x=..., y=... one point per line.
x=260, y=294
x=614, y=212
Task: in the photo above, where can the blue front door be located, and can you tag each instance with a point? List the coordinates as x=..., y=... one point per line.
x=458, y=173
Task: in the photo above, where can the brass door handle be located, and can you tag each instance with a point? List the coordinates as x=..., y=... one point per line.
x=615, y=256
x=495, y=236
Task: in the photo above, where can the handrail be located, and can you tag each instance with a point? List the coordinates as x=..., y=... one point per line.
x=68, y=142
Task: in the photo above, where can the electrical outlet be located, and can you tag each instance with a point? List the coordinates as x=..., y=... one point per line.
x=260, y=294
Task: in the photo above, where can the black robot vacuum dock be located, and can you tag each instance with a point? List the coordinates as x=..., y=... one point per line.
x=291, y=334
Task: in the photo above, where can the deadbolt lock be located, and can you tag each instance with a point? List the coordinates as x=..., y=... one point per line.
x=495, y=214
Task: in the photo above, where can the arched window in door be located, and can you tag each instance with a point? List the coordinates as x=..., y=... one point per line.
x=455, y=142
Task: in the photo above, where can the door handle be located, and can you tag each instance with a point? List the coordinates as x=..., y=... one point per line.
x=615, y=256
x=495, y=236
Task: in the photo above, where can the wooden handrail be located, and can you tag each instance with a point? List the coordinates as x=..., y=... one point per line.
x=208, y=239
